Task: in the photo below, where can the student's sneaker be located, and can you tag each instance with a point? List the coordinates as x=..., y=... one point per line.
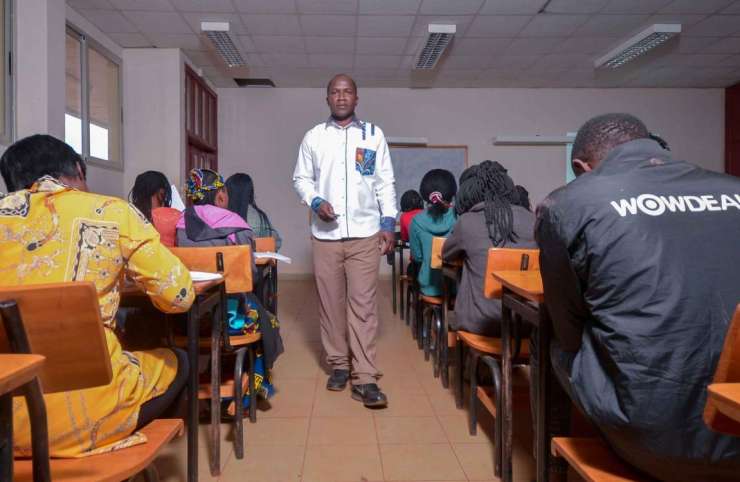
x=370, y=395
x=338, y=380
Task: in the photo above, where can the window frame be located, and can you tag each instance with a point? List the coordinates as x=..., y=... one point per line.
x=7, y=135
x=86, y=43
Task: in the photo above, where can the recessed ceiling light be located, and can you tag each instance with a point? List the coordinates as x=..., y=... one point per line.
x=218, y=34
x=439, y=37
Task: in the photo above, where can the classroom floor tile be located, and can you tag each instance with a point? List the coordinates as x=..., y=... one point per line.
x=308, y=434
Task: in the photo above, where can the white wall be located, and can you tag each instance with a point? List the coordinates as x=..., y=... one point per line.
x=260, y=131
x=153, y=80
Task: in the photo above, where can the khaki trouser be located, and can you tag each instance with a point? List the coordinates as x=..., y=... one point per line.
x=347, y=280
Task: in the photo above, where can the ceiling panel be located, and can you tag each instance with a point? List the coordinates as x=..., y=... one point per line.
x=733, y=8
x=511, y=7
x=381, y=45
x=271, y=24
x=130, y=40
x=384, y=7
x=465, y=62
x=553, y=25
x=381, y=26
x=150, y=5
x=331, y=61
x=366, y=61
x=183, y=41
x=158, y=22
x=588, y=45
x=575, y=6
x=532, y=46
x=685, y=20
x=83, y=4
x=328, y=25
x=695, y=6
x=692, y=45
x=479, y=46
x=210, y=6
x=278, y=44
x=265, y=6
x=513, y=61
x=447, y=7
x=330, y=45
x=716, y=25
x=612, y=25
x=202, y=58
x=109, y=21
x=327, y=6
x=634, y=6
x=286, y=60
x=497, y=25
x=730, y=45
x=247, y=43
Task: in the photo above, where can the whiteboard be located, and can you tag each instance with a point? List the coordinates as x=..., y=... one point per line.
x=412, y=162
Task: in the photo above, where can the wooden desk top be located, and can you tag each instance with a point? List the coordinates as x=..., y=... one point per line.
x=726, y=397
x=200, y=287
x=527, y=284
x=264, y=261
x=17, y=370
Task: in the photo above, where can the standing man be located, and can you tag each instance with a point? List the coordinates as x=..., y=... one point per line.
x=344, y=173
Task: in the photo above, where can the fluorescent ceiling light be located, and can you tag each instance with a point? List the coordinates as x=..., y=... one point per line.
x=438, y=38
x=218, y=34
x=638, y=45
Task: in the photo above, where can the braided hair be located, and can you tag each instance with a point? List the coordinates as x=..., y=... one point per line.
x=488, y=182
x=438, y=189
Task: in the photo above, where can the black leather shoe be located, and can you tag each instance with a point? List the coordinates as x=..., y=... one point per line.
x=370, y=395
x=338, y=380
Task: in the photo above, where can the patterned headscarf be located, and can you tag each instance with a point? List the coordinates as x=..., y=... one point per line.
x=196, y=187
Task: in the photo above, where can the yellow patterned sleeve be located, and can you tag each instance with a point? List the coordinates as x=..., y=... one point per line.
x=152, y=266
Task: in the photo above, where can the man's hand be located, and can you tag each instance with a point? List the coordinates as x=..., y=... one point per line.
x=386, y=241
x=326, y=212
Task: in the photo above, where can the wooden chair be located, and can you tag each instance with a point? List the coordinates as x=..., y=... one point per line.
x=430, y=311
x=594, y=460
x=268, y=270
x=234, y=263
x=61, y=321
x=488, y=351
x=724, y=392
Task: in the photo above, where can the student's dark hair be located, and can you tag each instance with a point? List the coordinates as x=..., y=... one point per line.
x=411, y=200
x=338, y=76
x=523, y=198
x=438, y=189
x=489, y=183
x=241, y=195
x=601, y=134
x=34, y=157
x=663, y=144
x=146, y=185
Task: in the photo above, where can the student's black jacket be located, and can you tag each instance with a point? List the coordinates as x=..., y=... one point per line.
x=642, y=292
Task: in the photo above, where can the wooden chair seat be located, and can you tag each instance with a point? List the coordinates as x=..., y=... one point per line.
x=235, y=341
x=112, y=466
x=594, y=460
x=432, y=300
x=488, y=344
x=17, y=370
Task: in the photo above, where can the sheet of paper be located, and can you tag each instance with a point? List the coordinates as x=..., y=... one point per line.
x=272, y=255
x=177, y=200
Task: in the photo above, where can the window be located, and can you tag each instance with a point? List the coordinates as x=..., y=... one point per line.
x=92, y=118
x=6, y=78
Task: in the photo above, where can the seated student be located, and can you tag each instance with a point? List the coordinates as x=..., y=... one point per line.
x=639, y=259
x=489, y=217
x=152, y=195
x=208, y=223
x=79, y=236
x=438, y=187
x=241, y=201
x=411, y=205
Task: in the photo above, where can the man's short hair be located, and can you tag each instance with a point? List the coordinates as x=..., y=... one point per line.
x=338, y=76
x=601, y=134
x=37, y=156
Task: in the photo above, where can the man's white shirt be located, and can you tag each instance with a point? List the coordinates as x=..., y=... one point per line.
x=350, y=167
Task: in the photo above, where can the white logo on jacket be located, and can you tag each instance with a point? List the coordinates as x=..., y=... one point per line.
x=653, y=205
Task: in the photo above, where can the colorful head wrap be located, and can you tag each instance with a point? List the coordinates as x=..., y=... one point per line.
x=196, y=187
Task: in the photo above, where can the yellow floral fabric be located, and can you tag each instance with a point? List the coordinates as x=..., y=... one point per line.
x=52, y=233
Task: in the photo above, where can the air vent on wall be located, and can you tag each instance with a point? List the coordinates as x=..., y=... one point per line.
x=254, y=82
x=439, y=37
x=218, y=34
x=639, y=44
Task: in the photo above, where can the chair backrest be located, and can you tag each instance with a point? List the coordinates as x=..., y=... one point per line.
x=437, y=245
x=728, y=371
x=265, y=244
x=233, y=262
x=62, y=322
x=507, y=259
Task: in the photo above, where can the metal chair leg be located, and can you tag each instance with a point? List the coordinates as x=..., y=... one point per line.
x=460, y=370
x=426, y=332
x=444, y=352
x=435, y=341
x=499, y=450
x=473, y=408
x=239, y=404
x=252, y=387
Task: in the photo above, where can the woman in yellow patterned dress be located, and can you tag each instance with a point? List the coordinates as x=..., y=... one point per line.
x=52, y=230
